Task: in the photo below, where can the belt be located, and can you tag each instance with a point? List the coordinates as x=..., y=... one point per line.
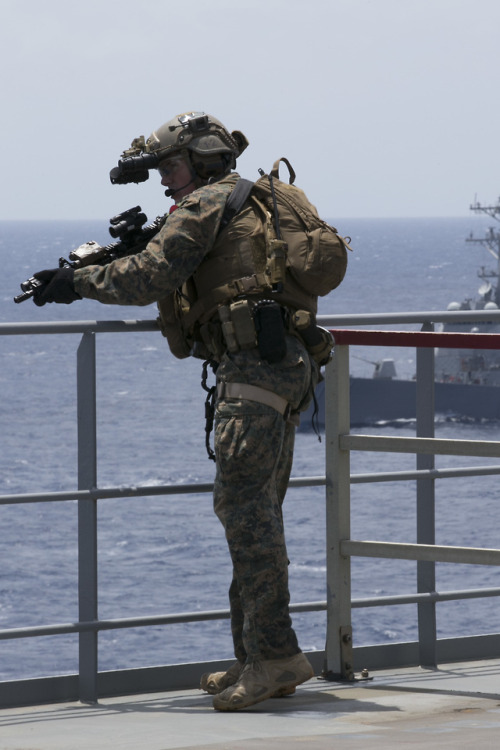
x=247, y=392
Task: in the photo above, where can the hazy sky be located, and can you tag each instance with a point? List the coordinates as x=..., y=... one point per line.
x=385, y=108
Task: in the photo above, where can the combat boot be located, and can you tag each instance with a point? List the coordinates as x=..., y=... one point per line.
x=262, y=680
x=216, y=682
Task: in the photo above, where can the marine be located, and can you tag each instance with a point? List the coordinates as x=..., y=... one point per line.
x=218, y=301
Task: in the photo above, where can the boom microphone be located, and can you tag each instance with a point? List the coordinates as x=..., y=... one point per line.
x=170, y=193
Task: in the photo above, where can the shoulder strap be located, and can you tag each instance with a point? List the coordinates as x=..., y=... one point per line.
x=236, y=200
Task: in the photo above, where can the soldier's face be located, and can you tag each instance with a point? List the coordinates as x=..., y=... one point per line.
x=176, y=175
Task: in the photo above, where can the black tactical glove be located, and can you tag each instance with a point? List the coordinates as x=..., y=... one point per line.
x=57, y=286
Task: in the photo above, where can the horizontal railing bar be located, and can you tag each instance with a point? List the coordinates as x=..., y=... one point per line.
x=432, y=596
x=117, y=624
x=422, y=316
x=134, y=491
x=427, y=552
x=205, y=616
x=384, y=444
x=107, y=493
x=78, y=326
x=117, y=326
x=315, y=481
x=136, y=622
x=403, y=476
x=424, y=339
x=155, y=679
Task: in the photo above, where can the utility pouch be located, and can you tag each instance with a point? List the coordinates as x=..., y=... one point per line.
x=238, y=328
x=270, y=329
x=243, y=324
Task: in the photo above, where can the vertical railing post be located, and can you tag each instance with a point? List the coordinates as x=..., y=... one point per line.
x=87, y=516
x=338, y=648
x=426, y=571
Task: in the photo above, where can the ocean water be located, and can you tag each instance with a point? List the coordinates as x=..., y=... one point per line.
x=168, y=554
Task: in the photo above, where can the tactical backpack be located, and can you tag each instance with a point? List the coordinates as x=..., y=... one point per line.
x=316, y=255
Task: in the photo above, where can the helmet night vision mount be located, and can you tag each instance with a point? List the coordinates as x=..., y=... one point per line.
x=210, y=148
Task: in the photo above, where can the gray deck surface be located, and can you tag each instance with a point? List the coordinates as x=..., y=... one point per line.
x=455, y=706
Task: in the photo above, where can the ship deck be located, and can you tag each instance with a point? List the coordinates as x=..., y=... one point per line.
x=455, y=705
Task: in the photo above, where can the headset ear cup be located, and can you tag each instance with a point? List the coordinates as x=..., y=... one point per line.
x=212, y=166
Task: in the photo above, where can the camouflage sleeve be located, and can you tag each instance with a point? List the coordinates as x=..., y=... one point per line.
x=168, y=260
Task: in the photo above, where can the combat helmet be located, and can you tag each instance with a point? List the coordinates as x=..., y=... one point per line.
x=208, y=146
x=211, y=149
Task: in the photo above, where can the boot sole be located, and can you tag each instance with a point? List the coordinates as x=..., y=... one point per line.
x=281, y=692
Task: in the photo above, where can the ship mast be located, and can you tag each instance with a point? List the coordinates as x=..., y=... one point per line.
x=491, y=241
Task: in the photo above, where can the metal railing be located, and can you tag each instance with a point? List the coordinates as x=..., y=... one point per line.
x=341, y=548
x=89, y=683
x=339, y=659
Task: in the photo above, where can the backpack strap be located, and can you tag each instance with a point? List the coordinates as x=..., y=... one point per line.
x=275, y=171
x=236, y=200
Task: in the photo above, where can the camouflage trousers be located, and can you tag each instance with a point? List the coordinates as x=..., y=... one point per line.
x=254, y=452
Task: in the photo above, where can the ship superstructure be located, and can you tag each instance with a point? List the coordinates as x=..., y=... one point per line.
x=465, y=365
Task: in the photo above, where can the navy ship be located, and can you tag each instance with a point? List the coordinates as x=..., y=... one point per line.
x=467, y=381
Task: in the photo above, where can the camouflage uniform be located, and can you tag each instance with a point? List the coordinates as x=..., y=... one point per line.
x=254, y=449
x=253, y=442
x=168, y=260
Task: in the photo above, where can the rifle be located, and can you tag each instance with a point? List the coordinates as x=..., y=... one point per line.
x=132, y=236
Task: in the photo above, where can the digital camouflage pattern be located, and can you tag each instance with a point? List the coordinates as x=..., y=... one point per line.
x=254, y=451
x=168, y=260
x=253, y=442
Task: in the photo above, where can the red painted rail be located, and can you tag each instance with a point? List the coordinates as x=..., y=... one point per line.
x=416, y=338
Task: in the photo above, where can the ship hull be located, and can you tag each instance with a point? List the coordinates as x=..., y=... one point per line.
x=379, y=400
